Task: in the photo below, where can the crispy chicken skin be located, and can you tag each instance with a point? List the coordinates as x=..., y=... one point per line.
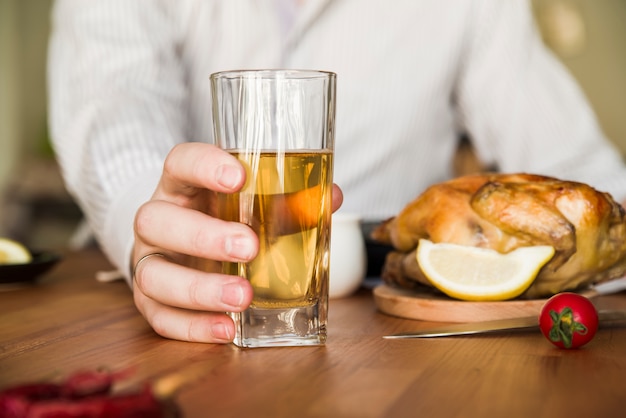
x=587, y=228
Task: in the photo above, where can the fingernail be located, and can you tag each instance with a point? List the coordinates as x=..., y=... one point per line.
x=232, y=295
x=228, y=176
x=221, y=331
x=239, y=247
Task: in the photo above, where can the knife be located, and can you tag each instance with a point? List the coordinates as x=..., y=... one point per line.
x=499, y=325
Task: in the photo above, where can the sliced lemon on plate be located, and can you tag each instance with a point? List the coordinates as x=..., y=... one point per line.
x=481, y=274
x=12, y=252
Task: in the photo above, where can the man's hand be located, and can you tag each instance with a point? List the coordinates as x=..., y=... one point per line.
x=177, y=288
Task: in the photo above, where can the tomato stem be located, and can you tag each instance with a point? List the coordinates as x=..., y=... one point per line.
x=565, y=327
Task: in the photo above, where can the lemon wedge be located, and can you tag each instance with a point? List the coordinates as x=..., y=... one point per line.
x=481, y=274
x=12, y=252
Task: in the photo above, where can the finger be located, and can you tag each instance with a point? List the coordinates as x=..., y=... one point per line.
x=185, y=325
x=192, y=166
x=292, y=212
x=162, y=224
x=337, y=194
x=171, y=284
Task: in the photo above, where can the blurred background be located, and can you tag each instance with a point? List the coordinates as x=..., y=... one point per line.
x=34, y=206
x=588, y=35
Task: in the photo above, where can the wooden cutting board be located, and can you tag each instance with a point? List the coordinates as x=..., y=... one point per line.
x=426, y=306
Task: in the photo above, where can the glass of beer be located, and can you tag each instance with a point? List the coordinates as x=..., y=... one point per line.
x=280, y=125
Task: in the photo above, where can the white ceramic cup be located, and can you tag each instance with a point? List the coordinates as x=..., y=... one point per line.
x=348, y=257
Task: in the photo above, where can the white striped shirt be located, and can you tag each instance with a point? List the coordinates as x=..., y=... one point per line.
x=130, y=78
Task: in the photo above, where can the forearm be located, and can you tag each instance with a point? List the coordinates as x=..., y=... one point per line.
x=116, y=109
x=524, y=111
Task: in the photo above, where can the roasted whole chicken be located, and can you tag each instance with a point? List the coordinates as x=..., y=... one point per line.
x=587, y=228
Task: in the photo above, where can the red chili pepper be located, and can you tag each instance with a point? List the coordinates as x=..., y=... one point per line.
x=82, y=395
x=33, y=391
x=87, y=383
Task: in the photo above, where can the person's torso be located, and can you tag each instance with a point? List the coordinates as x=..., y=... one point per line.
x=396, y=64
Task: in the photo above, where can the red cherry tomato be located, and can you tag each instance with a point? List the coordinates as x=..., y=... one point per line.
x=568, y=320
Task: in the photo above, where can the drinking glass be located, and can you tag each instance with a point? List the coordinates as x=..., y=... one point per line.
x=280, y=125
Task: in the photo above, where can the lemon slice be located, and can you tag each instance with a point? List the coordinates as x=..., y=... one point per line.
x=471, y=273
x=12, y=252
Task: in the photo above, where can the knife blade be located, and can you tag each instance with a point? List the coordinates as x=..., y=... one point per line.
x=525, y=323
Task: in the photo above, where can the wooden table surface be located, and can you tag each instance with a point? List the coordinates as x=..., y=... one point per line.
x=69, y=322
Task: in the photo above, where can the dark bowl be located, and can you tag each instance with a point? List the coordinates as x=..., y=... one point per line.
x=376, y=251
x=28, y=273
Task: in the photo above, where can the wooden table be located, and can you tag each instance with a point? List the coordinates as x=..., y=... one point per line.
x=69, y=321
